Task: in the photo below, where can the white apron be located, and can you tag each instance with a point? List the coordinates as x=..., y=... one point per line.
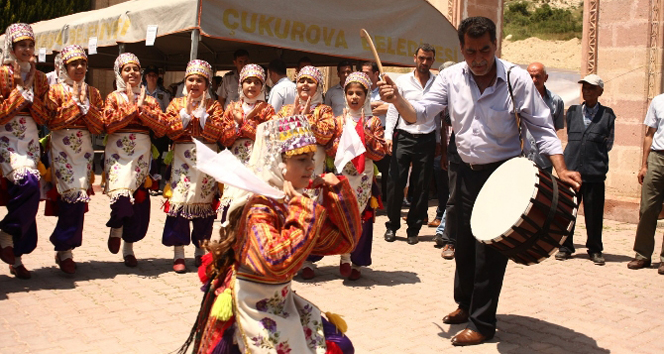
x=193, y=191
x=360, y=182
x=72, y=156
x=127, y=163
x=241, y=149
x=19, y=148
x=273, y=319
x=319, y=168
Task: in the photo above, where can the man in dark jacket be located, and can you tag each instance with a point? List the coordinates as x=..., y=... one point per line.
x=590, y=134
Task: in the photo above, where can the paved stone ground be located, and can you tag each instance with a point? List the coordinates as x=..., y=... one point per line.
x=397, y=307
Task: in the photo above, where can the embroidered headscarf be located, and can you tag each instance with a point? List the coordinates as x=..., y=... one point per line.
x=122, y=60
x=67, y=55
x=252, y=70
x=313, y=73
x=15, y=33
x=289, y=136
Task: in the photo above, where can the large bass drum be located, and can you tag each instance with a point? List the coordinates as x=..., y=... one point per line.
x=523, y=212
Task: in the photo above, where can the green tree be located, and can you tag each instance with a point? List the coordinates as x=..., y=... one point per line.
x=30, y=11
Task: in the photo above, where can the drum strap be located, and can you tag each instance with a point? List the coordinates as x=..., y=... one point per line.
x=543, y=232
x=516, y=112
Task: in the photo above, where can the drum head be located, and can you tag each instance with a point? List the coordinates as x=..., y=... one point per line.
x=503, y=199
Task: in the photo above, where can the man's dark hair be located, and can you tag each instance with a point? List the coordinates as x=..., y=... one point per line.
x=277, y=66
x=476, y=27
x=217, y=80
x=344, y=63
x=304, y=59
x=426, y=47
x=240, y=53
x=372, y=64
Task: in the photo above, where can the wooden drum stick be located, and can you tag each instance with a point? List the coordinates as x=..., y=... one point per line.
x=364, y=34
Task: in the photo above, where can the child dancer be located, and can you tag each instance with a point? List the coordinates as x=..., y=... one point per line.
x=23, y=89
x=75, y=113
x=191, y=194
x=248, y=296
x=129, y=116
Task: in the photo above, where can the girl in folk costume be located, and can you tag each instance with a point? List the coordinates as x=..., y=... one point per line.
x=309, y=102
x=243, y=116
x=192, y=195
x=22, y=90
x=354, y=151
x=75, y=113
x=249, y=305
x=129, y=116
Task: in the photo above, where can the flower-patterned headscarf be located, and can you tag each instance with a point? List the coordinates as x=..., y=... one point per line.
x=122, y=60
x=15, y=33
x=67, y=55
x=313, y=73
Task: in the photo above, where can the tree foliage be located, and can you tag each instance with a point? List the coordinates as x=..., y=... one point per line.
x=544, y=21
x=30, y=11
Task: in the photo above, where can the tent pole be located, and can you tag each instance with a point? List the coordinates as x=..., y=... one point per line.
x=195, y=37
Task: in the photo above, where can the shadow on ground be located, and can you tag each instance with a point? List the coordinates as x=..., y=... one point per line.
x=532, y=335
x=51, y=278
x=370, y=277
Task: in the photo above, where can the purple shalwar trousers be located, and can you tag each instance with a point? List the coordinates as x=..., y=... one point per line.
x=133, y=218
x=68, y=232
x=20, y=221
x=177, y=231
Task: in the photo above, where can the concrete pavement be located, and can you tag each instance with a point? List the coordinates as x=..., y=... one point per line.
x=397, y=307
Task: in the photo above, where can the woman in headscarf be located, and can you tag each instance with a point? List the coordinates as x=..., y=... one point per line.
x=242, y=117
x=23, y=89
x=367, y=132
x=75, y=113
x=249, y=305
x=192, y=195
x=129, y=117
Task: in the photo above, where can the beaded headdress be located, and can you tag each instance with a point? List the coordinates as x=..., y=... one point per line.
x=71, y=53
x=310, y=72
x=360, y=78
x=199, y=67
x=122, y=60
x=252, y=70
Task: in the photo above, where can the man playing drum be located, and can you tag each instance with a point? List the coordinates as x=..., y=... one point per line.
x=481, y=113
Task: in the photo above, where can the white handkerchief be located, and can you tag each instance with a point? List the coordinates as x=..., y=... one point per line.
x=227, y=169
x=350, y=146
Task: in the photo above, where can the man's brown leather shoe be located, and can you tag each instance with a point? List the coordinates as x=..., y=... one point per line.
x=468, y=337
x=638, y=263
x=434, y=223
x=457, y=316
x=660, y=270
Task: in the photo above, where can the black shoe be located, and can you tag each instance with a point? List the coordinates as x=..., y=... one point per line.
x=390, y=235
x=440, y=242
x=412, y=240
x=597, y=258
x=563, y=255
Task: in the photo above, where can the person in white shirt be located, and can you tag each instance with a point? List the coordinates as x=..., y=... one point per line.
x=335, y=97
x=476, y=93
x=378, y=109
x=410, y=144
x=283, y=91
x=228, y=91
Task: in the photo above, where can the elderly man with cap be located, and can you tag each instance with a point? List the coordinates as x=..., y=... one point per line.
x=590, y=134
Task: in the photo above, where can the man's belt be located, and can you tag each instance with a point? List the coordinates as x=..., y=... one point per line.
x=415, y=136
x=482, y=167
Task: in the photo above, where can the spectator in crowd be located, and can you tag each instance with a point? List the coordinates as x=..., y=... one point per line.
x=335, y=97
x=151, y=75
x=484, y=100
x=590, y=133
x=445, y=167
x=283, y=91
x=410, y=144
x=216, y=82
x=228, y=91
x=651, y=178
x=556, y=105
x=163, y=97
x=378, y=109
